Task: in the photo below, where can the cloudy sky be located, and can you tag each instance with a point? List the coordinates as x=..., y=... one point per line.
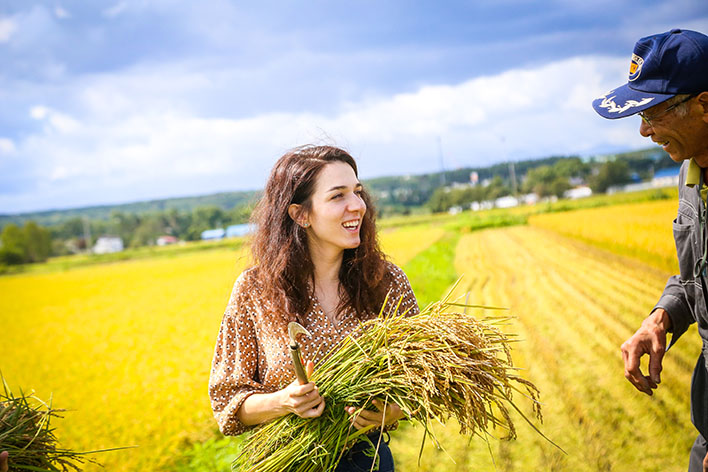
x=124, y=100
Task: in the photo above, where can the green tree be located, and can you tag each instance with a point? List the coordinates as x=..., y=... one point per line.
x=545, y=181
x=12, y=245
x=38, y=242
x=610, y=173
x=572, y=167
x=31, y=243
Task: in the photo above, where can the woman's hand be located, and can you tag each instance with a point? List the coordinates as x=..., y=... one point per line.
x=303, y=400
x=389, y=415
x=3, y=461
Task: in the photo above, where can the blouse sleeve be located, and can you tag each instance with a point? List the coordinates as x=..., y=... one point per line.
x=234, y=368
x=401, y=290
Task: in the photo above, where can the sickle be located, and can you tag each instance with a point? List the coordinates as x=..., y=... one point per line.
x=293, y=330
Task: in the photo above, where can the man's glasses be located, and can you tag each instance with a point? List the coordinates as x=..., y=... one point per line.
x=648, y=119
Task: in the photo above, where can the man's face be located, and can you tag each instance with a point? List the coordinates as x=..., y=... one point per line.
x=682, y=136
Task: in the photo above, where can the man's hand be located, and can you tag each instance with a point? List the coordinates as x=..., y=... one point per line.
x=650, y=339
x=385, y=416
x=705, y=463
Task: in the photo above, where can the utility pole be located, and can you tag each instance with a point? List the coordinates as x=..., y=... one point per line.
x=87, y=233
x=512, y=174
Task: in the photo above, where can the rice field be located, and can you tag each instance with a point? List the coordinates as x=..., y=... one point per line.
x=127, y=346
x=640, y=230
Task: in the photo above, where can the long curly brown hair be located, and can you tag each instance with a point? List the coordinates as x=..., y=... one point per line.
x=283, y=267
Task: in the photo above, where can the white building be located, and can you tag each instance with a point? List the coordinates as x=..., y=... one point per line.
x=578, y=192
x=108, y=244
x=666, y=177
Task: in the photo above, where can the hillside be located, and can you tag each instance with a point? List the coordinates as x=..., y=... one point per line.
x=394, y=194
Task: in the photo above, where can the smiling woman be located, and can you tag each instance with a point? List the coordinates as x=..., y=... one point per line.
x=318, y=263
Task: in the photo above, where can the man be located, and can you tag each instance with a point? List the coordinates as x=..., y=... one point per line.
x=668, y=88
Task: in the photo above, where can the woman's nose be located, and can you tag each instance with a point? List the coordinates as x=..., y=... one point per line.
x=356, y=203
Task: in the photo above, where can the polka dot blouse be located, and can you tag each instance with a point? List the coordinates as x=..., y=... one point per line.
x=249, y=358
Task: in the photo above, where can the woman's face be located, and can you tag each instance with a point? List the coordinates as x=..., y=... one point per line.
x=337, y=209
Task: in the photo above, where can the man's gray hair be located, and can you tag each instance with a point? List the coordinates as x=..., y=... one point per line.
x=681, y=110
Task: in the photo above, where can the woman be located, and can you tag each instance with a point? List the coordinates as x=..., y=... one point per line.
x=317, y=262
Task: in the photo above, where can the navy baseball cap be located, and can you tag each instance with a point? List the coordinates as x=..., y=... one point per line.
x=662, y=66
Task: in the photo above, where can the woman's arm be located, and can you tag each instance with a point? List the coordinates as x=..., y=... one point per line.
x=303, y=400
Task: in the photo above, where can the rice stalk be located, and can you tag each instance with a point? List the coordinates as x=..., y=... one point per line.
x=26, y=433
x=437, y=365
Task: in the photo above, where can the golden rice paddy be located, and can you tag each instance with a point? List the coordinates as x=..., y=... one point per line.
x=127, y=346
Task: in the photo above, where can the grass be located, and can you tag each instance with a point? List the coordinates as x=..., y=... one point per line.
x=432, y=271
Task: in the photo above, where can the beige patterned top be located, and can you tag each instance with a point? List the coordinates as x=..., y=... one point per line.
x=250, y=359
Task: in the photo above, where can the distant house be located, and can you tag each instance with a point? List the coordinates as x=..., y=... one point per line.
x=107, y=245
x=166, y=240
x=235, y=231
x=666, y=177
x=213, y=234
x=529, y=199
x=578, y=192
x=506, y=202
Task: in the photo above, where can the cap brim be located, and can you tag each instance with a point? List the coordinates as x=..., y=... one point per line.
x=626, y=101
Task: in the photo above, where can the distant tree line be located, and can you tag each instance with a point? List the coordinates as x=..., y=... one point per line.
x=34, y=243
x=549, y=180
x=143, y=229
x=21, y=245
x=139, y=224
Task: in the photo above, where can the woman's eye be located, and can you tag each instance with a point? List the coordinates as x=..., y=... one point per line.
x=338, y=195
x=359, y=192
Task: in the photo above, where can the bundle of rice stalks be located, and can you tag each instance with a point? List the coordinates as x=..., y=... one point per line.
x=25, y=432
x=436, y=365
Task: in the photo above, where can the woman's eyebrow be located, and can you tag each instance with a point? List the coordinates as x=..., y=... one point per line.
x=343, y=187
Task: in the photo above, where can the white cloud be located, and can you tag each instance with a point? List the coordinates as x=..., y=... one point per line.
x=56, y=121
x=7, y=29
x=61, y=13
x=39, y=112
x=7, y=146
x=124, y=142
x=115, y=10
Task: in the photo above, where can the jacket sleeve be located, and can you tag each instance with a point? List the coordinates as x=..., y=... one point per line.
x=675, y=302
x=677, y=299
x=235, y=365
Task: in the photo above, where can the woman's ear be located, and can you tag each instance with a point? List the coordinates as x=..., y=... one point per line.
x=296, y=214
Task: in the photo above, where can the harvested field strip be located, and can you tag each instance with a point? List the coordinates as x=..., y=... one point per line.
x=632, y=297
x=570, y=336
x=597, y=314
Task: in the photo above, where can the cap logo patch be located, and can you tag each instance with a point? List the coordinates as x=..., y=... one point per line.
x=609, y=104
x=635, y=67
